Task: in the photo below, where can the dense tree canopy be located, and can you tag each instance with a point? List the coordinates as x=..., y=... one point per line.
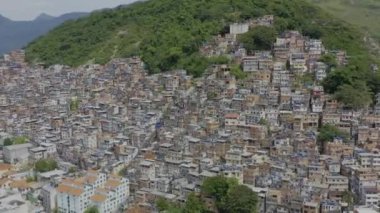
x=217, y=187
x=194, y=204
x=329, y=60
x=167, y=33
x=258, y=38
x=240, y=199
x=355, y=96
x=313, y=31
x=228, y=195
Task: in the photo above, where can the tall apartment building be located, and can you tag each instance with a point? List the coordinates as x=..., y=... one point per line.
x=108, y=193
x=49, y=194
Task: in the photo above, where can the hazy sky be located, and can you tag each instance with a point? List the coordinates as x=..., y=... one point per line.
x=29, y=9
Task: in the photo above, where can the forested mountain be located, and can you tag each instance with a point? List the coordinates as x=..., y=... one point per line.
x=167, y=34
x=17, y=34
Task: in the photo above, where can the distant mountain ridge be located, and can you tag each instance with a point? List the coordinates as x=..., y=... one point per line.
x=17, y=34
x=44, y=16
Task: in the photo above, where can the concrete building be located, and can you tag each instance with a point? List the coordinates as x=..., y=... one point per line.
x=16, y=153
x=37, y=153
x=239, y=28
x=107, y=193
x=337, y=183
x=49, y=197
x=12, y=202
x=112, y=196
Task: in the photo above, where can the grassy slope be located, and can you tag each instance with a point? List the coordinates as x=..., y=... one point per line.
x=168, y=33
x=362, y=13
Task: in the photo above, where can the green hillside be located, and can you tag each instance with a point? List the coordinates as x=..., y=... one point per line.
x=362, y=13
x=168, y=33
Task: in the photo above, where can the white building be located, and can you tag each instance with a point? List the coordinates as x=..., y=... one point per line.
x=366, y=209
x=369, y=160
x=94, y=189
x=371, y=197
x=238, y=28
x=320, y=74
x=317, y=106
x=112, y=195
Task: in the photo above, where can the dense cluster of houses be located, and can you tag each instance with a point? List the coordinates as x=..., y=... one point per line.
x=123, y=138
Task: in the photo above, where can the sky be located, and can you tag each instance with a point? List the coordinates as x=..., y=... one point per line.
x=30, y=9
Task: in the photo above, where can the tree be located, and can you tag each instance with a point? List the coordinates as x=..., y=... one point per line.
x=218, y=60
x=226, y=193
x=263, y=122
x=8, y=142
x=335, y=79
x=31, y=178
x=288, y=66
x=329, y=60
x=259, y=38
x=15, y=140
x=20, y=140
x=74, y=104
x=72, y=169
x=281, y=24
x=211, y=95
x=92, y=209
x=217, y=187
x=123, y=171
x=328, y=132
x=240, y=199
x=350, y=198
x=163, y=205
x=193, y=204
x=45, y=165
x=312, y=30
x=237, y=72
x=355, y=96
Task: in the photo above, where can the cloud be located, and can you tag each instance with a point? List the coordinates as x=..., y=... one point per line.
x=29, y=9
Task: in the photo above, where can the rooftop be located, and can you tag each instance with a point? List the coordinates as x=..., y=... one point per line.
x=18, y=146
x=99, y=198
